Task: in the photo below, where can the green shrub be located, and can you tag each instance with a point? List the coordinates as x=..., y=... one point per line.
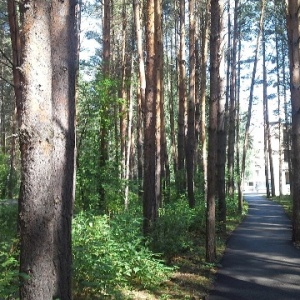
x=9, y=265
x=109, y=254
x=173, y=230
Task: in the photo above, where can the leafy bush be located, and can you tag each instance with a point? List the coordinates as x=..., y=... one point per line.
x=172, y=234
x=109, y=254
x=8, y=252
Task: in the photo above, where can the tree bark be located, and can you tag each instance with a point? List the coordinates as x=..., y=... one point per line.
x=46, y=116
x=232, y=104
x=150, y=205
x=215, y=82
x=190, y=140
x=141, y=94
x=180, y=176
x=293, y=25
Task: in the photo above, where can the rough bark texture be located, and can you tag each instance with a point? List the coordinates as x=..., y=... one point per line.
x=150, y=207
x=215, y=59
x=47, y=140
x=294, y=36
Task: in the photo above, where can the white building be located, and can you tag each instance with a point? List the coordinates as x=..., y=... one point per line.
x=255, y=179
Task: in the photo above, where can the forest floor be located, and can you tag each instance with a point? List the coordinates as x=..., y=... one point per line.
x=194, y=277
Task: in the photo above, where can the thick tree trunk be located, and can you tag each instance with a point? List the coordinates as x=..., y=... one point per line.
x=47, y=140
x=293, y=25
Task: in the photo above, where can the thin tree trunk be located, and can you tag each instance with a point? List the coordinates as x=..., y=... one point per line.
x=249, y=114
x=232, y=104
x=141, y=94
x=180, y=176
x=150, y=205
x=266, y=121
x=215, y=90
x=190, y=140
x=280, y=160
x=103, y=156
x=204, y=55
x=160, y=142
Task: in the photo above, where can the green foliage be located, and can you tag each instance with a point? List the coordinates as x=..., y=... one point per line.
x=4, y=172
x=175, y=227
x=110, y=254
x=97, y=106
x=8, y=252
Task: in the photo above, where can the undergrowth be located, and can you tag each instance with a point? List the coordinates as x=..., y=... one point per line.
x=112, y=259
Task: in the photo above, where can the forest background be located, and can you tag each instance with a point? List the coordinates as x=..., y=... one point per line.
x=162, y=156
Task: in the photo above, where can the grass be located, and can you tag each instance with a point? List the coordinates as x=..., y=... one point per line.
x=286, y=202
x=192, y=277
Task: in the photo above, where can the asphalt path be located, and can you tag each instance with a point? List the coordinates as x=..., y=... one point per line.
x=260, y=262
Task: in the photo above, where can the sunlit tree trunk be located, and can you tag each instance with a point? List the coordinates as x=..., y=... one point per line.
x=141, y=94
x=204, y=55
x=150, y=205
x=180, y=176
x=232, y=104
x=293, y=26
x=46, y=118
x=280, y=163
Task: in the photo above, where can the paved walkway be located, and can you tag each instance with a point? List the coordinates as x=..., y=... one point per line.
x=260, y=262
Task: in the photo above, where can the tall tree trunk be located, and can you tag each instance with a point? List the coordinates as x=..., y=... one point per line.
x=221, y=133
x=293, y=25
x=150, y=205
x=215, y=90
x=160, y=142
x=287, y=125
x=266, y=121
x=103, y=156
x=204, y=55
x=266, y=116
x=46, y=117
x=190, y=140
x=180, y=176
x=280, y=160
x=141, y=94
x=249, y=114
x=232, y=103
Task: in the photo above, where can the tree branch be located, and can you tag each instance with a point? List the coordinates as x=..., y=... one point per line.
x=6, y=57
x=8, y=82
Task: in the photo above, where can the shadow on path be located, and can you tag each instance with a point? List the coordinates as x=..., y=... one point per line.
x=260, y=261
